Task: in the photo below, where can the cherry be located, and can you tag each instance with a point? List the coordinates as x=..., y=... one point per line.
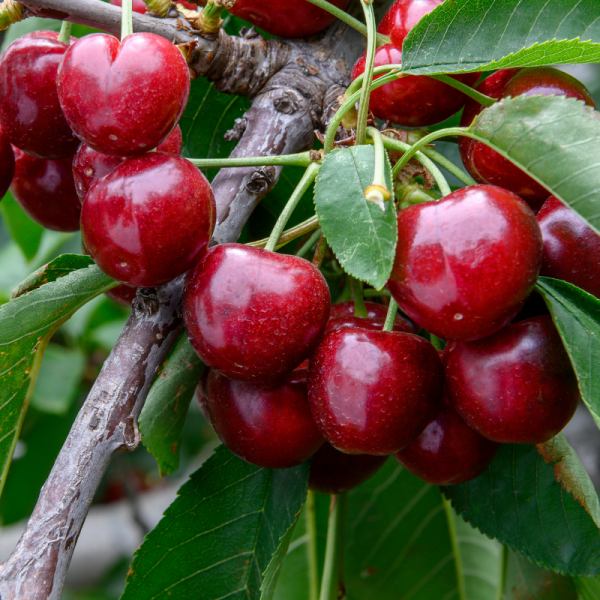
x=267, y=425
x=46, y=191
x=30, y=113
x=516, y=386
x=448, y=451
x=372, y=392
x=413, y=100
x=286, y=19
x=466, y=263
x=122, y=294
x=254, y=315
x=138, y=6
x=342, y=314
x=346, y=309
x=7, y=164
x=486, y=165
x=89, y=165
x=123, y=99
x=333, y=472
x=149, y=220
x=402, y=16
x=571, y=247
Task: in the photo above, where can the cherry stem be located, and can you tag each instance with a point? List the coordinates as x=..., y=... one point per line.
x=357, y=83
x=65, y=33
x=307, y=180
x=390, y=318
x=360, y=310
x=291, y=234
x=10, y=12
x=314, y=238
x=465, y=89
x=441, y=160
x=334, y=548
x=320, y=250
x=378, y=192
x=313, y=558
x=346, y=18
x=363, y=107
x=302, y=159
x=376, y=293
x=209, y=20
x=126, y=19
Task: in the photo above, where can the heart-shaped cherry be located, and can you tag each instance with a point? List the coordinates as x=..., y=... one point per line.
x=123, y=99
x=254, y=315
x=7, y=164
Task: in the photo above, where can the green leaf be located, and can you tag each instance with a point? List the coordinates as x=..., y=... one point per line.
x=218, y=537
x=554, y=139
x=163, y=416
x=362, y=236
x=576, y=315
x=587, y=588
x=271, y=575
x=26, y=326
x=519, y=501
x=23, y=230
x=463, y=35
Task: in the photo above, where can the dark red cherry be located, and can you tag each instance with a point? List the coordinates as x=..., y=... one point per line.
x=466, y=263
x=346, y=309
x=122, y=294
x=254, y=315
x=486, y=165
x=372, y=324
x=402, y=16
x=30, y=113
x=334, y=472
x=89, y=165
x=516, y=386
x=571, y=247
x=139, y=6
x=7, y=164
x=123, y=98
x=413, y=100
x=286, y=19
x=149, y=220
x=46, y=191
x=448, y=451
x=267, y=425
x=372, y=392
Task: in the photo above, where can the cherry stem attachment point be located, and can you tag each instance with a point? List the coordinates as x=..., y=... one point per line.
x=302, y=159
x=360, y=310
x=465, y=89
x=126, y=19
x=390, y=318
x=363, y=107
x=209, y=19
x=65, y=33
x=10, y=12
x=334, y=548
x=378, y=193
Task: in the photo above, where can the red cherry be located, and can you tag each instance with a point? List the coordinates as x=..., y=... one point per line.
x=286, y=19
x=267, y=425
x=46, y=191
x=402, y=16
x=571, y=247
x=122, y=294
x=7, y=164
x=254, y=315
x=374, y=324
x=139, y=6
x=123, y=99
x=346, y=309
x=486, y=165
x=188, y=5
x=376, y=315
x=89, y=165
x=466, y=263
x=448, y=451
x=372, y=392
x=30, y=113
x=333, y=472
x=413, y=100
x=516, y=386
x=149, y=220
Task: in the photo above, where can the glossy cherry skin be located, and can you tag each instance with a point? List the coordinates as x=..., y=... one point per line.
x=414, y=100
x=123, y=99
x=89, y=165
x=46, y=191
x=448, y=451
x=402, y=16
x=149, y=220
x=486, y=165
x=267, y=425
x=372, y=324
x=7, y=164
x=466, y=263
x=138, y=6
x=516, y=386
x=30, y=113
x=372, y=392
x=334, y=472
x=571, y=247
x=254, y=315
x=286, y=19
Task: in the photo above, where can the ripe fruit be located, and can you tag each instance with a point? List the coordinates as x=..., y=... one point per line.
x=46, y=191
x=123, y=99
x=516, y=386
x=466, y=263
x=7, y=164
x=30, y=113
x=149, y=220
x=402, y=16
x=254, y=315
x=486, y=165
x=286, y=19
x=375, y=312
x=267, y=425
x=372, y=392
x=571, y=247
x=333, y=472
x=139, y=6
x=373, y=324
x=448, y=451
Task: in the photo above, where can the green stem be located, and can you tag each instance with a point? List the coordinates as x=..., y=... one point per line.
x=65, y=33
x=307, y=179
x=126, y=19
x=291, y=234
x=320, y=251
x=376, y=293
x=302, y=159
x=360, y=310
x=335, y=545
x=313, y=558
x=441, y=160
x=346, y=18
x=460, y=579
x=465, y=89
x=356, y=84
x=391, y=316
x=209, y=19
x=363, y=107
x=314, y=238
x=379, y=175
